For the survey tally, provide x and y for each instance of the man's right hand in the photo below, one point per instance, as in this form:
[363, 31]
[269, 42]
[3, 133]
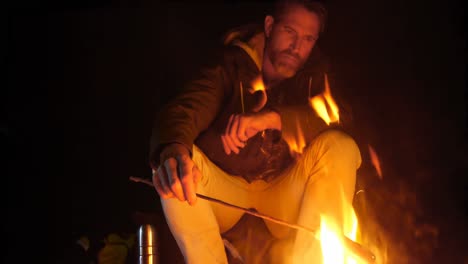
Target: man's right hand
[177, 175]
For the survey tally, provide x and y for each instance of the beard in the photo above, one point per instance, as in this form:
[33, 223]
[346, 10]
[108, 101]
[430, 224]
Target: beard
[286, 62]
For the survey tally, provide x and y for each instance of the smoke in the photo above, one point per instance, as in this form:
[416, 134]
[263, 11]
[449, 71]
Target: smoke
[391, 219]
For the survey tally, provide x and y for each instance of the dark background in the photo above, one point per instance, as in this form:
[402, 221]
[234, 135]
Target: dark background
[84, 81]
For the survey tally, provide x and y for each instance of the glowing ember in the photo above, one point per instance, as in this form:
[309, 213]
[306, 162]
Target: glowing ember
[375, 161]
[325, 106]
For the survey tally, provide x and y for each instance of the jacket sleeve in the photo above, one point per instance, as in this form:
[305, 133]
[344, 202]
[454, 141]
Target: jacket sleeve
[189, 113]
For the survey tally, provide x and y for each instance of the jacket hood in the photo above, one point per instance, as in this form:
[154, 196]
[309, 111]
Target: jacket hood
[250, 38]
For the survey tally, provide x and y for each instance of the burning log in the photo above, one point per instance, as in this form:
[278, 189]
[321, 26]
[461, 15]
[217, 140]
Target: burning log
[355, 249]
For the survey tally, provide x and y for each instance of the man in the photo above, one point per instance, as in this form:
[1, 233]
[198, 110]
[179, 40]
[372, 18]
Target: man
[221, 139]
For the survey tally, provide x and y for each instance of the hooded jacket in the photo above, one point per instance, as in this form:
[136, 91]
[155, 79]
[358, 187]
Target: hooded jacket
[200, 113]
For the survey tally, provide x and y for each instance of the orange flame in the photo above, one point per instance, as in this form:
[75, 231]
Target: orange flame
[297, 142]
[331, 242]
[257, 84]
[331, 236]
[375, 161]
[325, 106]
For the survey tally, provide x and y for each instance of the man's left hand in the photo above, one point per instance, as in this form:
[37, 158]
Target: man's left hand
[241, 127]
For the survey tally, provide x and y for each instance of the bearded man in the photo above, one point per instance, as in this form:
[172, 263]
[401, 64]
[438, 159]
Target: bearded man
[221, 138]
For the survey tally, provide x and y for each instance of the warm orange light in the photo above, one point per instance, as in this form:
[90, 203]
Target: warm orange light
[335, 116]
[331, 236]
[330, 241]
[257, 84]
[325, 106]
[375, 161]
[297, 142]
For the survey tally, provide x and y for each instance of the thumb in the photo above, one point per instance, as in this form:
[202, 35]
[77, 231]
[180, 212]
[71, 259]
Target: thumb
[196, 174]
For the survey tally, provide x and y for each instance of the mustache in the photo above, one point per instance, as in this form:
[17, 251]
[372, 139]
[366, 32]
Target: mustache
[292, 54]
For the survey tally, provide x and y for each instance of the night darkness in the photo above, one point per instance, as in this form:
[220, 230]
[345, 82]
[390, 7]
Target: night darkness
[84, 81]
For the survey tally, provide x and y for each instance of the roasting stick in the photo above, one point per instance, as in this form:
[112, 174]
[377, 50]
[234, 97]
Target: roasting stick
[354, 248]
[248, 211]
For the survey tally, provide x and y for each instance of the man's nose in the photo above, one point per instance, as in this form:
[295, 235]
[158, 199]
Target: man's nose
[296, 44]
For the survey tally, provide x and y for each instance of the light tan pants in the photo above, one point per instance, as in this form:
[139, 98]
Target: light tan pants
[314, 185]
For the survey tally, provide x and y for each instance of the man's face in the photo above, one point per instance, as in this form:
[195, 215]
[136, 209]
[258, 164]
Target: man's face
[291, 39]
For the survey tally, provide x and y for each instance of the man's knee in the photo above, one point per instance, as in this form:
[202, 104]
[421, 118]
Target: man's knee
[334, 137]
[335, 141]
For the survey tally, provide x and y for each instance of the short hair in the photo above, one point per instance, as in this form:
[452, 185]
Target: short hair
[281, 6]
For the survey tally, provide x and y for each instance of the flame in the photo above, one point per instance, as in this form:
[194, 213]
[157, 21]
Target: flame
[332, 239]
[331, 242]
[375, 161]
[297, 142]
[325, 106]
[257, 84]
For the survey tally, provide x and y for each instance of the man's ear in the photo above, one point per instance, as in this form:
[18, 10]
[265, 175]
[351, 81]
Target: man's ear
[269, 20]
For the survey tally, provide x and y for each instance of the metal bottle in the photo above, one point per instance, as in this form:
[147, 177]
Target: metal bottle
[147, 245]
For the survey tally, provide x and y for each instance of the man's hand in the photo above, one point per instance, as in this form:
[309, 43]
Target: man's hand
[241, 127]
[177, 176]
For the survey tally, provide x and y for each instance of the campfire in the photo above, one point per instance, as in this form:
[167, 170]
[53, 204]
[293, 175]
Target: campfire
[339, 244]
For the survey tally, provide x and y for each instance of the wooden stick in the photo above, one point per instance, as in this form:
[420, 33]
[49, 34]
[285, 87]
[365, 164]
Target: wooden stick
[363, 254]
[248, 211]
[241, 87]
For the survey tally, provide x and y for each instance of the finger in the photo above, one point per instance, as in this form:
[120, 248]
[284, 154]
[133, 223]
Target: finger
[227, 150]
[174, 182]
[186, 178]
[233, 132]
[228, 127]
[241, 130]
[162, 177]
[157, 184]
[231, 145]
